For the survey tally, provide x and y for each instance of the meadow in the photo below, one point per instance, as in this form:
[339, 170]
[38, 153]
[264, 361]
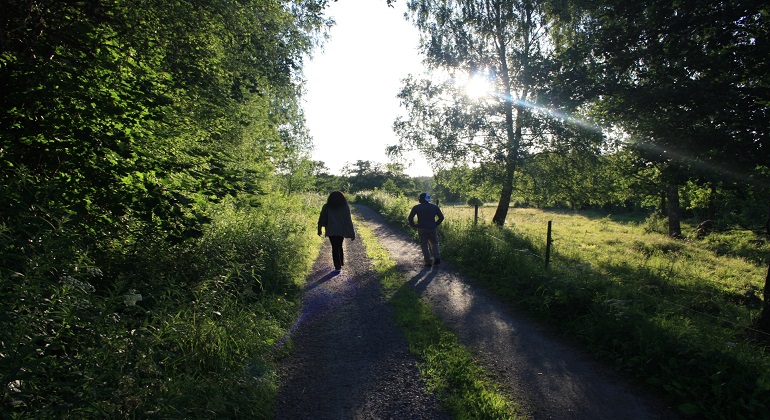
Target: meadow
[675, 315]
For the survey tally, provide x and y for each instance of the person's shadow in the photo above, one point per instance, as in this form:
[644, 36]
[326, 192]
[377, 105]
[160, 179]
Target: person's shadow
[421, 280]
[322, 280]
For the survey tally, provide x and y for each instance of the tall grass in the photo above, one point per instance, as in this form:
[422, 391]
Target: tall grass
[675, 314]
[160, 330]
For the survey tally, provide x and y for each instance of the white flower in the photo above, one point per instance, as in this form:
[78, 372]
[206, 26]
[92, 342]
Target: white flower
[131, 299]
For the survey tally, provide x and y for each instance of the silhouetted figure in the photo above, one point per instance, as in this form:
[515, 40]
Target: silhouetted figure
[335, 218]
[429, 216]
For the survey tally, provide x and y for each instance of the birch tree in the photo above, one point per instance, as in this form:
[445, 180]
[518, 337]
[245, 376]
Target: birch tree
[501, 44]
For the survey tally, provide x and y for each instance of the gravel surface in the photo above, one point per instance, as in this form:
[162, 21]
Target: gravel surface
[350, 361]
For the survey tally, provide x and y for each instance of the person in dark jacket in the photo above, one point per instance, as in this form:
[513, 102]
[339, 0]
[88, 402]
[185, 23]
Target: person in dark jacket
[429, 216]
[338, 225]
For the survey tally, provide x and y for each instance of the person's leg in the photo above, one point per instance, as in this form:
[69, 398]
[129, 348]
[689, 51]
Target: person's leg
[336, 242]
[434, 249]
[423, 235]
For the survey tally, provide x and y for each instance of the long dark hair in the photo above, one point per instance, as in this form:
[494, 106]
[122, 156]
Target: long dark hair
[336, 199]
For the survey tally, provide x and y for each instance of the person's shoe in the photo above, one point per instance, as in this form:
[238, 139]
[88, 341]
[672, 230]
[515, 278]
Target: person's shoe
[437, 261]
[427, 264]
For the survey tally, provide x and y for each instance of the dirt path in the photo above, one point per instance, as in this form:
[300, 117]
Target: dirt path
[351, 362]
[349, 359]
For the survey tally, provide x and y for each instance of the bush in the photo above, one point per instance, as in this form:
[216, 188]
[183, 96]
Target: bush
[656, 223]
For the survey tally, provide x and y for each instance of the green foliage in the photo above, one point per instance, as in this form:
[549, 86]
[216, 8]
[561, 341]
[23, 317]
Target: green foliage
[189, 328]
[474, 202]
[367, 175]
[133, 282]
[655, 223]
[683, 80]
[395, 208]
[459, 182]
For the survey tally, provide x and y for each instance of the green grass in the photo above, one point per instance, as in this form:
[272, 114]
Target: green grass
[450, 370]
[676, 314]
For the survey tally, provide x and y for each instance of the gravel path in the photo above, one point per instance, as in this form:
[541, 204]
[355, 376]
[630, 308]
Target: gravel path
[350, 362]
[349, 359]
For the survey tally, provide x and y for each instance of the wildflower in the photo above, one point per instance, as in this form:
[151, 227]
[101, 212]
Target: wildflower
[131, 299]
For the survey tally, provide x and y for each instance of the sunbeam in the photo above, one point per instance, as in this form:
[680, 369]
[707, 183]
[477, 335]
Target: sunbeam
[668, 152]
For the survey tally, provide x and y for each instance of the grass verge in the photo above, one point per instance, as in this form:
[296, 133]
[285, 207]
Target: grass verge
[449, 369]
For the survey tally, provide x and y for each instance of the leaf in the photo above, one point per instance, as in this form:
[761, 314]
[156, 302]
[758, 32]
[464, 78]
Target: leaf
[688, 409]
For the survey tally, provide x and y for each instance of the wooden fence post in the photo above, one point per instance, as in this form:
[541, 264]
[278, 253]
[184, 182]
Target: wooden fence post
[548, 245]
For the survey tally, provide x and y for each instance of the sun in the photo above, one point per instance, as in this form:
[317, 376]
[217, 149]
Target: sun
[478, 86]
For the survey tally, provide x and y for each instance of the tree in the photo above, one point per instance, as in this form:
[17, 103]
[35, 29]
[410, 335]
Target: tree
[502, 41]
[688, 81]
[121, 115]
[460, 183]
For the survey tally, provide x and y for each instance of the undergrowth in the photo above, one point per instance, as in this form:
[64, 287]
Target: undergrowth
[153, 329]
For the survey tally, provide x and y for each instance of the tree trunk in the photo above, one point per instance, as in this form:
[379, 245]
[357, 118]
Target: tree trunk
[502, 206]
[513, 125]
[514, 134]
[674, 226]
[512, 148]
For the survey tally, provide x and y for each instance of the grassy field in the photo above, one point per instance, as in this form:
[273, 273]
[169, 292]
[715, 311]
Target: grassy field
[721, 269]
[675, 314]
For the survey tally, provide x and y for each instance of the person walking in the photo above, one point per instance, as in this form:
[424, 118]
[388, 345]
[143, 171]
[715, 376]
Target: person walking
[429, 216]
[338, 225]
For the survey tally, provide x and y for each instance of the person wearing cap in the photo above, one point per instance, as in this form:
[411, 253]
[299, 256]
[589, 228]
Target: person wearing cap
[429, 216]
[336, 220]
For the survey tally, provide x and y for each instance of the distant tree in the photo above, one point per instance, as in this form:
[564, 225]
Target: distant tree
[364, 175]
[460, 183]
[325, 182]
[423, 183]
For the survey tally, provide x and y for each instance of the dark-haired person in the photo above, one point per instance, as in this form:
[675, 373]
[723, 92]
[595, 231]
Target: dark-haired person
[338, 225]
[429, 216]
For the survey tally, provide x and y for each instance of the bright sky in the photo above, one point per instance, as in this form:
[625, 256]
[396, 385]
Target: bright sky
[351, 103]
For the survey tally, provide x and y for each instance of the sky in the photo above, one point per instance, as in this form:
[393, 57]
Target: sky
[352, 82]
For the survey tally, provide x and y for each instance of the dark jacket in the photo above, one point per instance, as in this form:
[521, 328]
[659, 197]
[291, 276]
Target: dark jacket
[429, 216]
[336, 221]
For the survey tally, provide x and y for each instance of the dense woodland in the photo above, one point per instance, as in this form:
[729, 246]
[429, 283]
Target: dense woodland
[157, 194]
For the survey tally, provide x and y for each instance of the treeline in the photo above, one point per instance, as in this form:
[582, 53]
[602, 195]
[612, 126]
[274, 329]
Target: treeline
[363, 175]
[615, 183]
[148, 256]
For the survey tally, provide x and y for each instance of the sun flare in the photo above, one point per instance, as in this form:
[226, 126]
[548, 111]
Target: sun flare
[478, 86]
